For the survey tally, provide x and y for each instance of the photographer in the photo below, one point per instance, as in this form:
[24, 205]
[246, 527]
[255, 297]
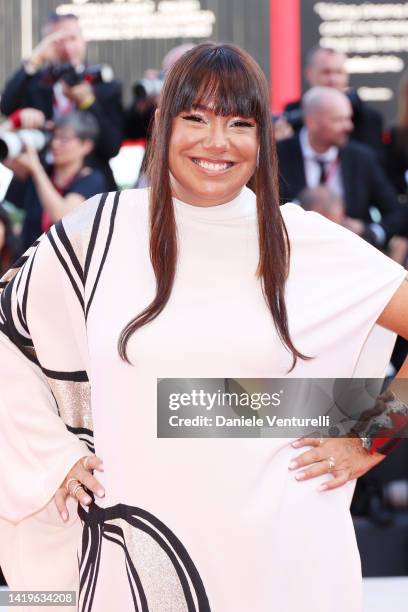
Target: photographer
[36, 85]
[53, 190]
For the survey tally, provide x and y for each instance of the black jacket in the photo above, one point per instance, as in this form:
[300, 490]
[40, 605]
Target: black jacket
[23, 90]
[368, 122]
[364, 181]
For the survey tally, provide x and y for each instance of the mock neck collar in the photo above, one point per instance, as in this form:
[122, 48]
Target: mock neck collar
[243, 205]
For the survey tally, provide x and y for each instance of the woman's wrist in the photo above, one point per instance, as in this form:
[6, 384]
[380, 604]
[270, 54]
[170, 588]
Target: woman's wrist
[382, 428]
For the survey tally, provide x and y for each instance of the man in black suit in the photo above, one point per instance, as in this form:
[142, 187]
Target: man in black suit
[322, 154]
[32, 86]
[327, 67]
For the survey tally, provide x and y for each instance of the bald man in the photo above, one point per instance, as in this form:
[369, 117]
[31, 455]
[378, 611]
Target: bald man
[322, 154]
[327, 67]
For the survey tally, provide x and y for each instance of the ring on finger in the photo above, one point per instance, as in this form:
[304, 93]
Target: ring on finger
[68, 483]
[76, 488]
[331, 463]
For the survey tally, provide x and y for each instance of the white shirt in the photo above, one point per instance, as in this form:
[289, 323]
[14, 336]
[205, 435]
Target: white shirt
[334, 180]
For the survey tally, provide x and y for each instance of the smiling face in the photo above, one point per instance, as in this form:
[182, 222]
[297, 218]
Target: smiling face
[211, 157]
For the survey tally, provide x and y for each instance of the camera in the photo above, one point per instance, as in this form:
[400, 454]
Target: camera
[148, 88]
[14, 143]
[71, 75]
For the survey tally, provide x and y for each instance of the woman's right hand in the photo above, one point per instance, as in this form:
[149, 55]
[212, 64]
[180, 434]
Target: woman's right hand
[80, 473]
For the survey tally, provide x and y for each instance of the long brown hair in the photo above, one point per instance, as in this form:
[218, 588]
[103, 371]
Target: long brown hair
[230, 79]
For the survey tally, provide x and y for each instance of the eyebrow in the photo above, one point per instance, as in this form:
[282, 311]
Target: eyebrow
[202, 107]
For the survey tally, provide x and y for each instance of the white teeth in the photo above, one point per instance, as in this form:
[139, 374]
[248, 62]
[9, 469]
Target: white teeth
[212, 166]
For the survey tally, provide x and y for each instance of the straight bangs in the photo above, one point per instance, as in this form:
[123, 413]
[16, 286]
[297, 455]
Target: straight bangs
[219, 79]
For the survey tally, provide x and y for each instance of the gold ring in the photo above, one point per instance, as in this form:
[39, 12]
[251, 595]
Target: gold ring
[332, 462]
[68, 482]
[76, 488]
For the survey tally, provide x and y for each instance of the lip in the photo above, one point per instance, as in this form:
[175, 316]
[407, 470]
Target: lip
[213, 161]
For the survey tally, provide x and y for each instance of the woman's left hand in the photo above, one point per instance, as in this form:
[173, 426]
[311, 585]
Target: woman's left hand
[344, 458]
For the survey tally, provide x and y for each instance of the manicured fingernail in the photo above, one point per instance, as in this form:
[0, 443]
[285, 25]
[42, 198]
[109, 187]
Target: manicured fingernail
[100, 492]
[293, 465]
[87, 499]
[300, 476]
[322, 487]
[295, 443]
[64, 516]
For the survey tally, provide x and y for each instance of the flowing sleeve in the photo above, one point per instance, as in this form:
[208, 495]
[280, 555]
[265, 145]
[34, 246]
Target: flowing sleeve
[37, 351]
[45, 408]
[338, 286]
[45, 412]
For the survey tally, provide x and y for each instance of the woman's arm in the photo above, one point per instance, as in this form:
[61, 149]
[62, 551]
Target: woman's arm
[351, 460]
[53, 203]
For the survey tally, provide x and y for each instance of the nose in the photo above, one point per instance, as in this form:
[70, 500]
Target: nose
[216, 137]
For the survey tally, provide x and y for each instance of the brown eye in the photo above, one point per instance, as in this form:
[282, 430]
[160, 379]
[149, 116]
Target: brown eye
[195, 118]
[243, 124]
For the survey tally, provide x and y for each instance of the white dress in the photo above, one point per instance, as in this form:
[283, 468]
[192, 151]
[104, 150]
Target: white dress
[186, 524]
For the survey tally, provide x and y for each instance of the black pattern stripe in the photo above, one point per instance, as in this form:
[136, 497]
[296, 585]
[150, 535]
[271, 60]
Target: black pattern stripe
[21, 319]
[59, 228]
[9, 327]
[66, 268]
[25, 293]
[130, 568]
[89, 570]
[79, 376]
[85, 435]
[94, 234]
[105, 253]
[142, 520]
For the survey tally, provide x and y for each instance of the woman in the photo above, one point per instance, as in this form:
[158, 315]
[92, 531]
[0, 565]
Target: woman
[53, 190]
[186, 280]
